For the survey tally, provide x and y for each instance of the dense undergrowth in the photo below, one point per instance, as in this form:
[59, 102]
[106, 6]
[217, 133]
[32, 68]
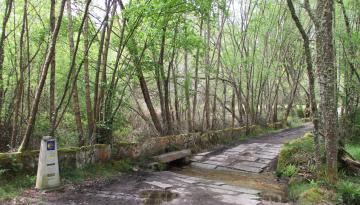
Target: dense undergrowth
[307, 182]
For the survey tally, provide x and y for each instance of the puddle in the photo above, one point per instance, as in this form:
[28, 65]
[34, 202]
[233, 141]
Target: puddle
[272, 189]
[156, 197]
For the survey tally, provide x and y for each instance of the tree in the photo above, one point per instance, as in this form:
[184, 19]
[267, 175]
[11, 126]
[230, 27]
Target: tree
[74, 93]
[44, 70]
[327, 77]
[311, 78]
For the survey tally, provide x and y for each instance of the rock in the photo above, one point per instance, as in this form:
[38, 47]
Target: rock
[242, 167]
[159, 184]
[172, 156]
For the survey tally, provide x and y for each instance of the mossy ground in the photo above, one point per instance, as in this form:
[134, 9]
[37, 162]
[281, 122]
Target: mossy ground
[354, 150]
[308, 184]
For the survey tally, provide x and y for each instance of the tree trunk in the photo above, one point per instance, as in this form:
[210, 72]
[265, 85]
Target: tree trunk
[7, 13]
[311, 79]
[207, 78]
[327, 76]
[52, 74]
[197, 57]
[103, 84]
[20, 84]
[187, 92]
[176, 97]
[218, 65]
[132, 47]
[98, 69]
[74, 94]
[44, 70]
[89, 111]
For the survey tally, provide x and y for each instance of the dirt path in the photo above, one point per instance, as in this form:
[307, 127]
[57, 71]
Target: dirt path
[235, 175]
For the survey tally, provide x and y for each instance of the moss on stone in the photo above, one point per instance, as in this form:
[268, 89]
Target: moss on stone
[124, 144]
[4, 156]
[68, 150]
[32, 153]
[8, 157]
[101, 146]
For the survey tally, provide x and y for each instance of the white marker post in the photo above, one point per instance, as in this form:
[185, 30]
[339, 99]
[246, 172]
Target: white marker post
[48, 168]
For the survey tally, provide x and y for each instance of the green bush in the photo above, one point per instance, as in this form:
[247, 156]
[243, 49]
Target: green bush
[2, 172]
[313, 195]
[296, 189]
[298, 152]
[354, 150]
[14, 186]
[348, 193]
[300, 113]
[290, 171]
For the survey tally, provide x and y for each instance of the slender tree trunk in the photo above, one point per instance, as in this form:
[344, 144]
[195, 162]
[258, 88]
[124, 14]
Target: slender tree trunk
[103, 84]
[225, 100]
[311, 79]
[218, 65]
[167, 85]
[161, 95]
[197, 60]
[98, 69]
[52, 72]
[207, 78]
[44, 70]
[176, 98]
[89, 111]
[292, 97]
[233, 109]
[20, 84]
[3, 37]
[132, 47]
[165, 82]
[74, 94]
[187, 92]
[348, 117]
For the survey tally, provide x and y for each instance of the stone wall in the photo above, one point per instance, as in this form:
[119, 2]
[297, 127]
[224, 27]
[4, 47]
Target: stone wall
[69, 158]
[75, 157]
[194, 141]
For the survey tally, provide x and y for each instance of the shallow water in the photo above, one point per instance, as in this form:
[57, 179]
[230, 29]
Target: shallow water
[272, 188]
[157, 197]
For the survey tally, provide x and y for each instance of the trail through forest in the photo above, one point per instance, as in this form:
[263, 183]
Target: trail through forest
[249, 179]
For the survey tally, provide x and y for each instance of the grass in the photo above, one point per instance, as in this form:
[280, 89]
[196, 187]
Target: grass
[348, 192]
[354, 150]
[13, 186]
[296, 189]
[300, 153]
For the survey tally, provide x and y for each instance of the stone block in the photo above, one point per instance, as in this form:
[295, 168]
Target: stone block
[172, 156]
[203, 166]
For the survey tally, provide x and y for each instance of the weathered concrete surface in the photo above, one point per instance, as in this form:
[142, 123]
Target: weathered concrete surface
[254, 156]
[172, 156]
[166, 188]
